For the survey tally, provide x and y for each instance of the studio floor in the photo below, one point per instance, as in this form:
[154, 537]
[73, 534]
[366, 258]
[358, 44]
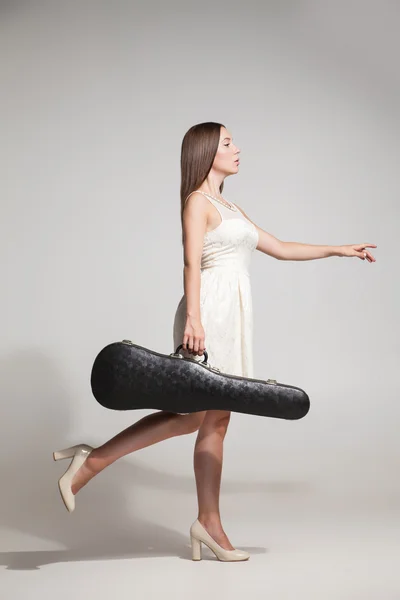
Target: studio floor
[330, 553]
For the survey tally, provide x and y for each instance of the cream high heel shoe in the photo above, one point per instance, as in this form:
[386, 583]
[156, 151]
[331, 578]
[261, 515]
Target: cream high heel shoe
[199, 535]
[79, 454]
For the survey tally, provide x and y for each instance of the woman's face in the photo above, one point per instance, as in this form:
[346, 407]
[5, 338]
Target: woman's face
[226, 159]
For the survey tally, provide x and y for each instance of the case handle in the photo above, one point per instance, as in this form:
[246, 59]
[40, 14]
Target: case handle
[205, 354]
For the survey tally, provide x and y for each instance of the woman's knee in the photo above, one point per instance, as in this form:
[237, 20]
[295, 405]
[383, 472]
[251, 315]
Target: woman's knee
[205, 420]
[194, 421]
[216, 420]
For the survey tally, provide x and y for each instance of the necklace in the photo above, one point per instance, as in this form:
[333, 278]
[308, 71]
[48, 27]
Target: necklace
[224, 203]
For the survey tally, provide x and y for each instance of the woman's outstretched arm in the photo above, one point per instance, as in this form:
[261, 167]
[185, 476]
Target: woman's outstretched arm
[281, 250]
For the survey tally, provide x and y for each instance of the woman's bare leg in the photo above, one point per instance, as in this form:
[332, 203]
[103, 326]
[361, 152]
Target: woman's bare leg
[208, 458]
[149, 430]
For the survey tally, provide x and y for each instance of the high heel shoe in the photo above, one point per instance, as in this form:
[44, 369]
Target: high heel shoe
[199, 535]
[79, 454]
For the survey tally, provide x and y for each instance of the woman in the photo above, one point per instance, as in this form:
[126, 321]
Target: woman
[218, 241]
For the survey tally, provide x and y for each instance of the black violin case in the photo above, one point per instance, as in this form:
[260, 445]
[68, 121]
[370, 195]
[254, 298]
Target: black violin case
[126, 376]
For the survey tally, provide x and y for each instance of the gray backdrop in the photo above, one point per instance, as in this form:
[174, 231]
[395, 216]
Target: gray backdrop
[96, 97]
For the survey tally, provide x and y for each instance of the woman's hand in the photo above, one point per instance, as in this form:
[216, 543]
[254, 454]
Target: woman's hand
[358, 250]
[194, 337]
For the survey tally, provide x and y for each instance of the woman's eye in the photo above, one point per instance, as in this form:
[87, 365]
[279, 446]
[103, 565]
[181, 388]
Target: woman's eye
[226, 144]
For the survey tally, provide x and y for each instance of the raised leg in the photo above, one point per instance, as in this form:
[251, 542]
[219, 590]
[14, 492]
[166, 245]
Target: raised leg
[149, 430]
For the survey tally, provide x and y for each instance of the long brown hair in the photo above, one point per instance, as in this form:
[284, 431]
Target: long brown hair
[199, 147]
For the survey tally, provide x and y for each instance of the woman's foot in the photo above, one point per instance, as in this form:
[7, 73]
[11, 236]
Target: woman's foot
[79, 455]
[84, 474]
[214, 528]
[199, 535]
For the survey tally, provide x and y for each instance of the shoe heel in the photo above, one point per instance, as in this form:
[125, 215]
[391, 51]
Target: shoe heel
[196, 548]
[66, 453]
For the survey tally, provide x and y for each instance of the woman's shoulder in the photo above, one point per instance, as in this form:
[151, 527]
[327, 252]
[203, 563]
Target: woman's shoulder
[197, 201]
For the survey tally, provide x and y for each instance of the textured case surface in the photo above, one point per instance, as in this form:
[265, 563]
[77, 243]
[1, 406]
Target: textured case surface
[126, 376]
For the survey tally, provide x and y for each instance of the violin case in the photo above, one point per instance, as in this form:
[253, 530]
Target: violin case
[126, 376]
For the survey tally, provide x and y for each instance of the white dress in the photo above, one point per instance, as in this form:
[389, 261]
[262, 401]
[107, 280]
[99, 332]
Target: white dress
[225, 294]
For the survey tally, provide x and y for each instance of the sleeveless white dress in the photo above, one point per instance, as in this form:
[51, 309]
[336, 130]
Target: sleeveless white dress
[225, 294]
